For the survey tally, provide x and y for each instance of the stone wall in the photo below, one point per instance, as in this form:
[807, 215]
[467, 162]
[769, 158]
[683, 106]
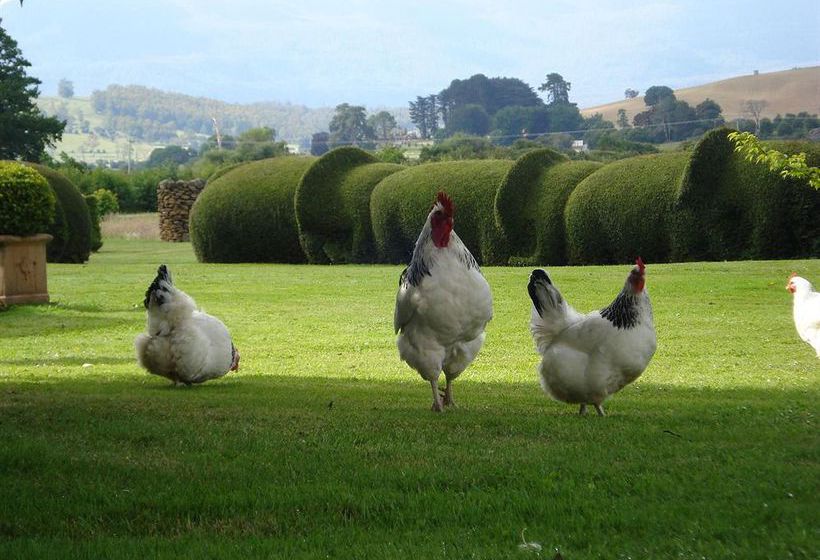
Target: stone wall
[174, 202]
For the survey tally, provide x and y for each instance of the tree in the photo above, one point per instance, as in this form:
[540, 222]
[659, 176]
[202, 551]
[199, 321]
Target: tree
[174, 155]
[349, 126]
[709, 110]
[469, 119]
[24, 130]
[65, 88]
[511, 123]
[383, 124]
[656, 94]
[319, 143]
[623, 121]
[564, 117]
[753, 108]
[259, 143]
[630, 93]
[557, 89]
[424, 114]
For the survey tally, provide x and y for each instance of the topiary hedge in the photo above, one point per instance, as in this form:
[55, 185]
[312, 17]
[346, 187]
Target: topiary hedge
[27, 203]
[623, 210]
[72, 222]
[333, 206]
[529, 206]
[400, 203]
[92, 202]
[247, 215]
[730, 208]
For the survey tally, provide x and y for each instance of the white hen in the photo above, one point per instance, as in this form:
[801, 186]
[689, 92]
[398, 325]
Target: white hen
[806, 310]
[587, 358]
[182, 343]
[443, 304]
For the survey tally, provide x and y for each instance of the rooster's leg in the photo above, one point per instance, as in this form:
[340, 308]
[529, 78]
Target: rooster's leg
[436, 398]
[600, 410]
[583, 410]
[448, 394]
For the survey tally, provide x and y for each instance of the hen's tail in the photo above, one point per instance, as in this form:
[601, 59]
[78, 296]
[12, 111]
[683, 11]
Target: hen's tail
[550, 314]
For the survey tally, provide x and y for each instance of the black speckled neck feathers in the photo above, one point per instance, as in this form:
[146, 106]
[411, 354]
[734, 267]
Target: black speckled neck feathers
[623, 313]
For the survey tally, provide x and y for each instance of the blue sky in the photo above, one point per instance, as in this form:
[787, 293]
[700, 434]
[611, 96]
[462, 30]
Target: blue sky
[382, 54]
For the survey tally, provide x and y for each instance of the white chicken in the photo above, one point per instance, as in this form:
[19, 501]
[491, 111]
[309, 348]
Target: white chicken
[443, 304]
[806, 310]
[587, 358]
[182, 343]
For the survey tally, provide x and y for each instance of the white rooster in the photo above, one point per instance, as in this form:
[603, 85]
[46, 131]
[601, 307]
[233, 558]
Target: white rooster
[587, 358]
[182, 343]
[806, 310]
[443, 304]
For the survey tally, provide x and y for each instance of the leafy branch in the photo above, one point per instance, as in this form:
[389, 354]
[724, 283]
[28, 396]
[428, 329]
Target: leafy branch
[788, 166]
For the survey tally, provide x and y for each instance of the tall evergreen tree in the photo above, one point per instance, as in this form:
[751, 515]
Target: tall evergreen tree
[24, 130]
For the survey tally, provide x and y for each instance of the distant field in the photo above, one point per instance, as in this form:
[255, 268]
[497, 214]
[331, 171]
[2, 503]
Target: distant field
[323, 445]
[130, 226]
[789, 91]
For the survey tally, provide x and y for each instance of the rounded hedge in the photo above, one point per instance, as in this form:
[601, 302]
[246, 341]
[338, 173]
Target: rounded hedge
[72, 223]
[247, 215]
[400, 204]
[623, 210]
[92, 202]
[730, 208]
[530, 205]
[27, 204]
[332, 206]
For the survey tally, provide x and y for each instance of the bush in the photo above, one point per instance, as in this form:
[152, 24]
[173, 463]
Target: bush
[27, 204]
[106, 202]
[623, 210]
[333, 206]
[94, 214]
[247, 214]
[72, 224]
[730, 208]
[400, 204]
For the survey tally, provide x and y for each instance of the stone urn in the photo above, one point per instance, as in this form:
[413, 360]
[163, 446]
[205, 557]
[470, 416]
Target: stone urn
[23, 269]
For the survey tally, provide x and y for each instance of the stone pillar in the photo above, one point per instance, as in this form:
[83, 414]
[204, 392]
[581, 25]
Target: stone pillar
[174, 202]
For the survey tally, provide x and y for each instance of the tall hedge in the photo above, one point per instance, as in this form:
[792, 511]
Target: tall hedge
[333, 206]
[246, 215]
[530, 205]
[623, 210]
[94, 214]
[730, 208]
[72, 222]
[400, 203]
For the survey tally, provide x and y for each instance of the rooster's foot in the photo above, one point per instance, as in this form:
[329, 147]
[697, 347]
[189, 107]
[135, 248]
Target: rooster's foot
[600, 410]
[583, 410]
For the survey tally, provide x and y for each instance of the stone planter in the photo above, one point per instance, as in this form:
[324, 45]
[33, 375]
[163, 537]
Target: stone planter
[23, 269]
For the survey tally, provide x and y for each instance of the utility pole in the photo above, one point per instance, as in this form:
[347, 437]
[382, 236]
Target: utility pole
[218, 135]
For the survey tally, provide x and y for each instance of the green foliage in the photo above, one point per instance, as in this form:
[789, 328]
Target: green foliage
[557, 88]
[788, 166]
[623, 210]
[468, 119]
[320, 143]
[382, 124]
[27, 204]
[106, 202]
[349, 126]
[72, 224]
[529, 206]
[332, 205]
[514, 122]
[24, 131]
[94, 215]
[731, 208]
[459, 147]
[400, 204]
[247, 214]
[392, 154]
[656, 94]
[492, 94]
[176, 155]
[65, 88]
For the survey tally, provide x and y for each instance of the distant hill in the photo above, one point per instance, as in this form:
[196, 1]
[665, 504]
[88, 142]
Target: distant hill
[789, 91]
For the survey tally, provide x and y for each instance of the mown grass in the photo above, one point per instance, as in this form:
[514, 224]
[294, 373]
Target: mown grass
[323, 444]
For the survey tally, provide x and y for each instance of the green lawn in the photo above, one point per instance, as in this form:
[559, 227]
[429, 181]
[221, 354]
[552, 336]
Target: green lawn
[323, 444]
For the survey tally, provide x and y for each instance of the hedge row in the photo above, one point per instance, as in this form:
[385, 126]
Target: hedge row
[333, 206]
[400, 204]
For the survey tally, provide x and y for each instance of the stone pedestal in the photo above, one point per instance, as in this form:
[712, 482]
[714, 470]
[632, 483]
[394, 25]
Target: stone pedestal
[23, 269]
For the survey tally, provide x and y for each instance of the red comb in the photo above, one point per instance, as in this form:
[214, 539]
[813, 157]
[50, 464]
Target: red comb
[793, 275]
[639, 262]
[446, 202]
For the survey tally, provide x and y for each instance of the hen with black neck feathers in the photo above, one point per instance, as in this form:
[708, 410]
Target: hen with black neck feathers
[587, 358]
[443, 304]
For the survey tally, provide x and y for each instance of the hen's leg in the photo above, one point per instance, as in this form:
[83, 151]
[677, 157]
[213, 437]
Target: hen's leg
[583, 410]
[436, 398]
[600, 410]
[448, 394]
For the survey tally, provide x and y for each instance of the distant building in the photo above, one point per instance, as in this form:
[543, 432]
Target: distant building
[293, 148]
[579, 146]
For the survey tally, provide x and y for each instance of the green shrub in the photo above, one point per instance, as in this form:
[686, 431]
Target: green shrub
[530, 205]
[247, 214]
[94, 214]
[27, 204]
[106, 202]
[623, 210]
[400, 204]
[72, 223]
[333, 206]
[730, 208]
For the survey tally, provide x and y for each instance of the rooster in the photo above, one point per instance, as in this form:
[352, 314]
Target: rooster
[182, 343]
[443, 304]
[587, 358]
[806, 310]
